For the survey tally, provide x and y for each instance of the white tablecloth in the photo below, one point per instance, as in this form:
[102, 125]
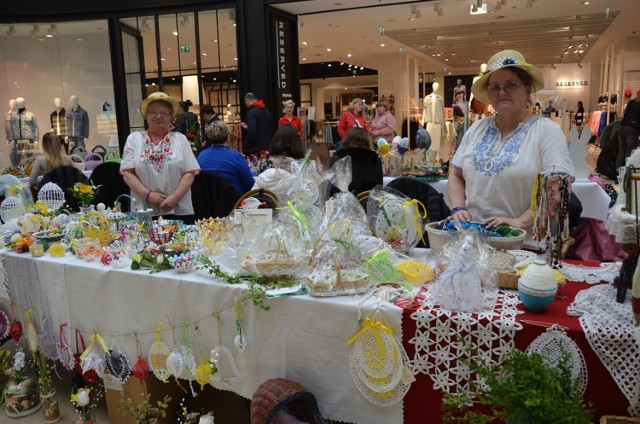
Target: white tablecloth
[595, 201]
[301, 338]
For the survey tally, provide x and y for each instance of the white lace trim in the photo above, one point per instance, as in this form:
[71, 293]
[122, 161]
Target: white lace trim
[590, 275]
[610, 329]
[4, 287]
[438, 352]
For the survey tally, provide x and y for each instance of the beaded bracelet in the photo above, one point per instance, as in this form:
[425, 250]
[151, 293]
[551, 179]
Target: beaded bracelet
[458, 209]
[146, 198]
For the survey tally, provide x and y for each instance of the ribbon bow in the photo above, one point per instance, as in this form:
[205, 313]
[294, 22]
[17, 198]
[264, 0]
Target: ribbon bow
[377, 327]
[417, 212]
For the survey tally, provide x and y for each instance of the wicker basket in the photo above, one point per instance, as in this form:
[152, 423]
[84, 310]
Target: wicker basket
[507, 280]
[278, 393]
[612, 419]
[343, 284]
[437, 238]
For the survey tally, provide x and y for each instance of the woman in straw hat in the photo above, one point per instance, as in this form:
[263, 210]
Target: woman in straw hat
[158, 164]
[493, 170]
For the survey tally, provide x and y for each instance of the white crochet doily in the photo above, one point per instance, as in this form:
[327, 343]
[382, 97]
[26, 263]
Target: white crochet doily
[610, 329]
[552, 345]
[438, 352]
[590, 275]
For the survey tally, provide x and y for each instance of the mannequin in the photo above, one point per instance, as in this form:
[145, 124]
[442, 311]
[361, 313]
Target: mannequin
[459, 98]
[479, 107]
[77, 123]
[24, 131]
[433, 118]
[7, 119]
[59, 122]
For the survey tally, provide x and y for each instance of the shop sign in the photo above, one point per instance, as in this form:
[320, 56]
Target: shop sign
[578, 83]
[285, 46]
[185, 48]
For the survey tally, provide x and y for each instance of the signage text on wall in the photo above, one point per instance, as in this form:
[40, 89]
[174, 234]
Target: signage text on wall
[577, 83]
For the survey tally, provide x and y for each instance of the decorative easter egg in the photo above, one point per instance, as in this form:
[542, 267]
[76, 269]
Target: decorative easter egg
[537, 287]
[100, 207]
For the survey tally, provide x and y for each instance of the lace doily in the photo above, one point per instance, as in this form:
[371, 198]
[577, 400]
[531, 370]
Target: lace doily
[553, 345]
[223, 359]
[610, 329]
[118, 364]
[158, 354]
[175, 363]
[437, 350]
[65, 354]
[379, 364]
[48, 341]
[4, 283]
[591, 275]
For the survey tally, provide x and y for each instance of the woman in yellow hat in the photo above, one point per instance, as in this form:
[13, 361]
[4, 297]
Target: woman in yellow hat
[158, 164]
[493, 170]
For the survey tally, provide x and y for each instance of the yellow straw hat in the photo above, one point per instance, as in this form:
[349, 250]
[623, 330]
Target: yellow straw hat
[506, 59]
[159, 96]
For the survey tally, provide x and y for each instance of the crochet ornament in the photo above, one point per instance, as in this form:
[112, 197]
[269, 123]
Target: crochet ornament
[175, 360]
[51, 195]
[4, 326]
[140, 369]
[15, 330]
[118, 364]
[158, 355]
[93, 358]
[65, 354]
[32, 335]
[11, 208]
[48, 341]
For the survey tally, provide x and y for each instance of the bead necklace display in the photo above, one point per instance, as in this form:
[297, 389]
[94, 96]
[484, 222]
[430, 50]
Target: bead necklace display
[550, 206]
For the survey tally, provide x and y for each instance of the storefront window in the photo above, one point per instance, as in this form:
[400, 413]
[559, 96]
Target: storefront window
[42, 62]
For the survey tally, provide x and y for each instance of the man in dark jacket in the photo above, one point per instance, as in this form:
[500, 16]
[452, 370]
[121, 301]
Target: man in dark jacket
[259, 126]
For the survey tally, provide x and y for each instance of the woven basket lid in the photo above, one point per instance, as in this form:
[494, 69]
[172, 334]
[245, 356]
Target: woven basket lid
[277, 393]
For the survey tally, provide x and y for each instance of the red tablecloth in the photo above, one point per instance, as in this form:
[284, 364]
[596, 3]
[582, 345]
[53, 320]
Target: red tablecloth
[422, 402]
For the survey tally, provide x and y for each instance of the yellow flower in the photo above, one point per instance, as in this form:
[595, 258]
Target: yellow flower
[85, 188]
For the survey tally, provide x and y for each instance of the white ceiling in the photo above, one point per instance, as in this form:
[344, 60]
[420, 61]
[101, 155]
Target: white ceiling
[542, 32]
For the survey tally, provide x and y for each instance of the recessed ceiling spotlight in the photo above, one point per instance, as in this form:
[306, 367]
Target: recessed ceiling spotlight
[328, 49]
[348, 54]
[381, 44]
[304, 43]
[175, 33]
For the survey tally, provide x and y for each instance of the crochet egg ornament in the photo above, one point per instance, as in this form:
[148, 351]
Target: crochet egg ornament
[537, 287]
[394, 224]
[383, 146]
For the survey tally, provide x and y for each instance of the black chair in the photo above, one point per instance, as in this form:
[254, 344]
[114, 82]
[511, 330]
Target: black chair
[212, 196]
[433, 201]
[65, 177]
[107, 175]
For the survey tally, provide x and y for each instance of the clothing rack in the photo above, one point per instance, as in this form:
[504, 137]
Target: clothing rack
[607, 105]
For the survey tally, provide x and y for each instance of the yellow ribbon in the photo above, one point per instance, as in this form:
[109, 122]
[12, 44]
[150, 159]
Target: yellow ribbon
[376, 327]
[158, 331]
[417, 215]
[95, 340]
[298, 215]
[32, 335]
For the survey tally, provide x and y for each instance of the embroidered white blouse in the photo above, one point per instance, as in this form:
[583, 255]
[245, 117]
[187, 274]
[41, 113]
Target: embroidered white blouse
[161, 167]
[499, 175]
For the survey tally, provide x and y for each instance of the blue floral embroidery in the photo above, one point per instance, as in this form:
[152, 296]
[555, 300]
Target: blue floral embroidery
[483, 153]
[509, 61]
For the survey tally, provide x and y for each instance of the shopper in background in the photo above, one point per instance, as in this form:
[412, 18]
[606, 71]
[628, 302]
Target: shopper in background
[365, 163]
[384, 124]
[259, 126]
[185, 120]
[629, 130]
[208, 116]
[53, 157]
[493, 170]
[158, 165]
[285, 148]
[289, 118]
[580, 115]
[224, 162]
[351, 117]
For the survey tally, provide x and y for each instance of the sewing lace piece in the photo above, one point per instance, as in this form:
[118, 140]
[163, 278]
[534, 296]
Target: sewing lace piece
[553, 345]
[437, 350]
[591, 275]
[610, 329]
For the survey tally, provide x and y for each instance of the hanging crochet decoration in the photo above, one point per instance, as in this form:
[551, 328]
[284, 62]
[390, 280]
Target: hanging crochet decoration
[555, 346]
[118, 364]
[65, 354]
[158, 354]
[550, 208]
[221, 360]
[140, 369]
[4, 326]
[32, 334]
[11, 208]
[15, 330]
[379, 364]
[93, 358]
[48, 341]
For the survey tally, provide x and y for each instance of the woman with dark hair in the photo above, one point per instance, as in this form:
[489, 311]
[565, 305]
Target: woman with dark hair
[285, 147]
[224, 162]
[366, 167]
[185, 119]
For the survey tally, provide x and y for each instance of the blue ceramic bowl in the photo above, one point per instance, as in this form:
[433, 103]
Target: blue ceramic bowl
[534, 299]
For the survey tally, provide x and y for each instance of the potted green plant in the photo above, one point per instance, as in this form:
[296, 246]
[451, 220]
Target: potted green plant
[144, 412]
[50, 405]
[522, 389]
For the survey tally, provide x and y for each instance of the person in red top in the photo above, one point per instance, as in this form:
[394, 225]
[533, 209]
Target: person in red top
[352, 117]
[289, 118]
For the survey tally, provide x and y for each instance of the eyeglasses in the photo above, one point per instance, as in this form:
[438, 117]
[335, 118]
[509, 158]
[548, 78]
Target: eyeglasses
[153, 114]
[509, 87]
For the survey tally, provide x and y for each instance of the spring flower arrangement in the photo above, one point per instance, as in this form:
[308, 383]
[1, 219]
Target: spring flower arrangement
[21, 391]
[84, 401]
[20, 243]
[193, 135]
[144, 412]
[84, 193]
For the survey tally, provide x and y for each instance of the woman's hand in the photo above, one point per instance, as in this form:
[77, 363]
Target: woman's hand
[169, 202]
[460, 215]
[496, 221]
[156, 198]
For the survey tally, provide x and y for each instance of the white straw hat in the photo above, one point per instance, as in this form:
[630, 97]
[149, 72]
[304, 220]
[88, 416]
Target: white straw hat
[159, 96]
[506, 59]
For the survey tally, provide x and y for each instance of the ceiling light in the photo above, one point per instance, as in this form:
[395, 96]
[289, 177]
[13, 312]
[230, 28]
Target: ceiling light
[328, 49]
[329, 65]
[49, 35]
[381, 44]
[304, 58]
[175, 32]
[304, 43]
[341, 63]
[361, 68]
[348, 54]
